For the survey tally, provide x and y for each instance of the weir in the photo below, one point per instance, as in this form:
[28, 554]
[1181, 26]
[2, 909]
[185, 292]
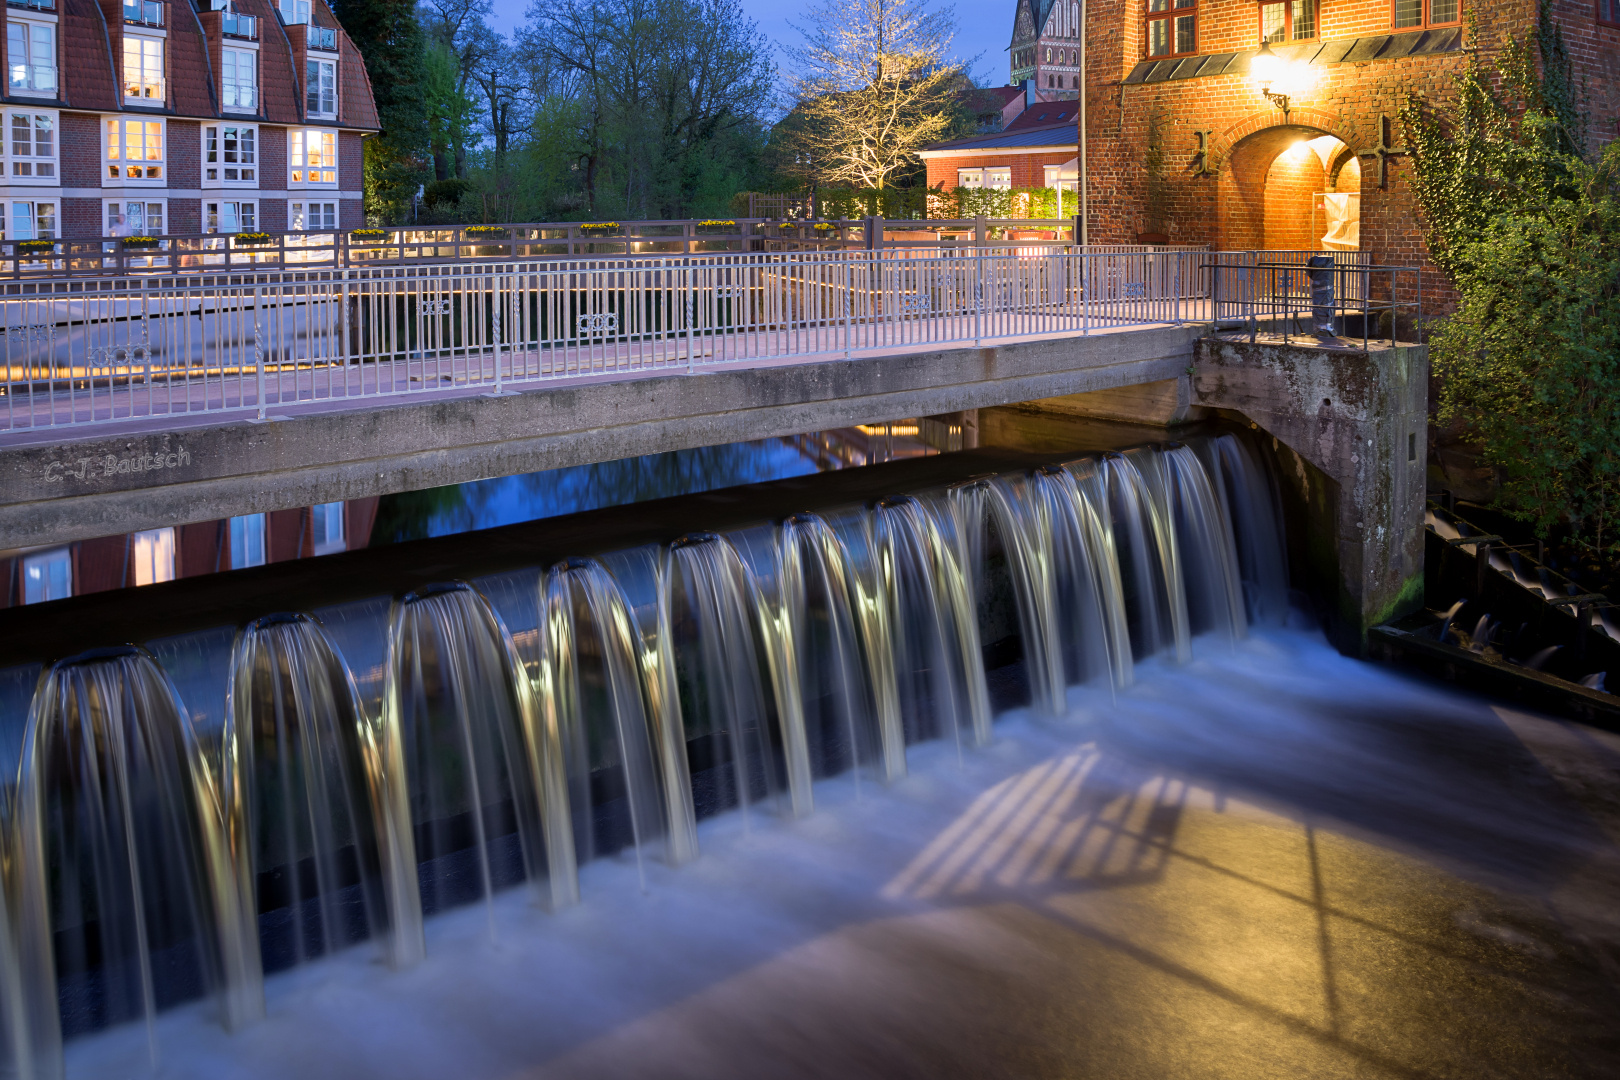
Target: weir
[370, 764]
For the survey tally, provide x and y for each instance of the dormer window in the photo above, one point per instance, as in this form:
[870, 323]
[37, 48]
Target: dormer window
[295, 11]
[238, 79]
[31, 56]
[321, 89]
[143, 69]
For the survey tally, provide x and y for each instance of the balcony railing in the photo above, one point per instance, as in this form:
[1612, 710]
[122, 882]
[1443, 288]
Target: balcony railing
[323, 37]
[144, 12]
[37, 5]
[241, 26]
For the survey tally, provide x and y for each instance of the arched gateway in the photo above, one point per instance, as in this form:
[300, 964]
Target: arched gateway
[1289, 186]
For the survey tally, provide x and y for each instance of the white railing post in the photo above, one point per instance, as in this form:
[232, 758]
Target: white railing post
[258, 348]
[849, 302]
[498, 299]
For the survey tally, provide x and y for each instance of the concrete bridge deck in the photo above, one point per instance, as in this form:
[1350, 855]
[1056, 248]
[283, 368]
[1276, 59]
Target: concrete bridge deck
[63, 484]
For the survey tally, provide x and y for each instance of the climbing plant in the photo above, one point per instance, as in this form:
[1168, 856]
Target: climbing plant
[1528, 230]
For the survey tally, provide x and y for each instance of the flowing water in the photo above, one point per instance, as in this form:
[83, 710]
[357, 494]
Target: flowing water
[378, 764]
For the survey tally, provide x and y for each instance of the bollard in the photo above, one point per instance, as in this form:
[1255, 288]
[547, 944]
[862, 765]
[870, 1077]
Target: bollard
[1320, 271]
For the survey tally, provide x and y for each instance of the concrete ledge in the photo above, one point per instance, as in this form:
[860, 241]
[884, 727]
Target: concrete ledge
[100, 484]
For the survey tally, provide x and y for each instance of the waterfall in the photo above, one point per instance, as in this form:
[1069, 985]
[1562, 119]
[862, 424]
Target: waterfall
[315, 804]
[487, 790]
[658, 685]
[730, 671]
[125, 877]
[933, 628]
[612, 736]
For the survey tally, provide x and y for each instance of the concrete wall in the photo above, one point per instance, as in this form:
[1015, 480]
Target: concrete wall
[56, 489]
[1349, 431]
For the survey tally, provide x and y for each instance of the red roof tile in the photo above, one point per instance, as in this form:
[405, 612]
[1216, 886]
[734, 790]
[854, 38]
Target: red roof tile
[89, 80]
[279, 87]
[191, 77]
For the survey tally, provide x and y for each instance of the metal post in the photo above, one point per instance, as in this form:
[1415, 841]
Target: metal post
[978, 294]
[497, 299]
[849, 302]
[258, 349]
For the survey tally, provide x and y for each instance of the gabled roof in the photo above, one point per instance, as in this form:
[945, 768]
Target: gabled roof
[1046, 113]
[1013, 138]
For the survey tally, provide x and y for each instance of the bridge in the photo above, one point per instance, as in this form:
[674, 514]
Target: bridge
[135, 401]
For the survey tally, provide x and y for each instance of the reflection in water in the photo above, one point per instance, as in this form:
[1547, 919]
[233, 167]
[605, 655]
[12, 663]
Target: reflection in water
[507, 500]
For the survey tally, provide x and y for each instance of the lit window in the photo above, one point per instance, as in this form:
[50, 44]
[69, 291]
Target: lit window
[153, 556]
[320, 88]
[134, 217]
[295, 11]
[1293, 20]
[47, 576]
[31, 56]
[328, 528]
[1172, 27]
[1416, 13]
[229, 217]
[247, 541]
[313, 158]
[32, 139]
[238, 79]
[135, 149]
[230, 154]
[32, 221]
[143, 68]
[311, 217]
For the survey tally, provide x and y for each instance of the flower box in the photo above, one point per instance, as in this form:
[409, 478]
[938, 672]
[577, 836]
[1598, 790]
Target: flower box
[369, 236]
[36, 247]
[600, 227]
[140, 243]
[253, 239]
[486, 232]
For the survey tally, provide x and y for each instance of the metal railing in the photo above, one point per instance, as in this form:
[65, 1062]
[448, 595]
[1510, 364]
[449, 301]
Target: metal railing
[321, 37]
[98, 257]
[1313, 295]
[243, 26]
[144, 12]
[115, 349]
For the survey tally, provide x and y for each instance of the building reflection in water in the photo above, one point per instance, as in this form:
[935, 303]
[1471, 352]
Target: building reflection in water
[35, 575]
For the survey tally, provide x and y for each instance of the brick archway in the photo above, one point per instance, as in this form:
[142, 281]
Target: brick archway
[1245, 153]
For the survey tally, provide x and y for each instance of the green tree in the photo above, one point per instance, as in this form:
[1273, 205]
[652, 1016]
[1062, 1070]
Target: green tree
[1529, 232]
[390, 41]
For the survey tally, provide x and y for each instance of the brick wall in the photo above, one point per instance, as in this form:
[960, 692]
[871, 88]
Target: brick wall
[273, 215]
[184, 153]
[1028, 170]
[185, 217]
[80, 150]
[351, 214]
[272, 159]
[81, 218]
[1294, 177]
[351, 161]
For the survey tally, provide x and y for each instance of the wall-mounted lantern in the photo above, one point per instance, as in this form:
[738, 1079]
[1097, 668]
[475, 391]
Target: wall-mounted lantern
[1268, 70]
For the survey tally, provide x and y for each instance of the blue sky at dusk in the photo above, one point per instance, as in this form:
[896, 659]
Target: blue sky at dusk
[983, 28]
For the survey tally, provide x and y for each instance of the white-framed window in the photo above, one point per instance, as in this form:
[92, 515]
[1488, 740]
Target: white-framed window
[233, 216]
[230, 154]
[143, 68]
[295, 11]
[134, 149]
[239, 79]
[31, 56]
[328, 528]
[31, 145]
[311, 216]
[47, 576]
[136, 217]
[997, 178]
[320, 88]
[31, 219]
[312, 158]
[152, 552]
[247, 541]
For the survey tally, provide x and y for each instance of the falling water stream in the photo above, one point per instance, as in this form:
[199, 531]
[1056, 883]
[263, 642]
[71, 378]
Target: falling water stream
[652, 687]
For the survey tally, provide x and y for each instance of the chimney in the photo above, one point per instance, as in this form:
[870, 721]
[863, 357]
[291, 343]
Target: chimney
[1029, 92]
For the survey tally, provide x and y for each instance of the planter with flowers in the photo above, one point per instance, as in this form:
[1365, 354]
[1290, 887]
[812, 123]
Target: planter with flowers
[254, 239]
[140, 243]
[35, 248]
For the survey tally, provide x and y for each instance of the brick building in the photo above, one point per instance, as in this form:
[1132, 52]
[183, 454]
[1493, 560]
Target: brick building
[1033, 151]
[1241, 171]
[155, 117]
